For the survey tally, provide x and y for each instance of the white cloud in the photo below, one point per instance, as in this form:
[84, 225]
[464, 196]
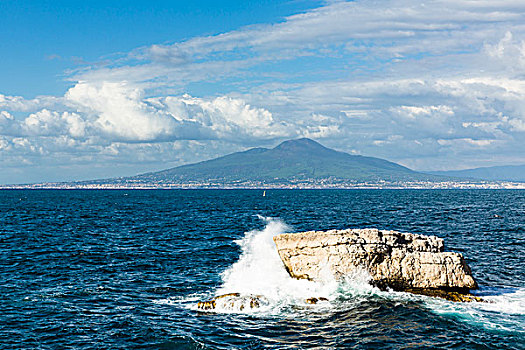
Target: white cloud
[20, 104]
[52, 123]
[415, 112]
[225, 117]
[386, 30]
[119, 112]
[508, 52]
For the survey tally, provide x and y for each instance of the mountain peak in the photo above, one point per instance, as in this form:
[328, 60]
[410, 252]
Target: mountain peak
[300, 144]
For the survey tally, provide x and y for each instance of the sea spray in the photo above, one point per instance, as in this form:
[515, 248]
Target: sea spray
[260, 271]
[503, 310]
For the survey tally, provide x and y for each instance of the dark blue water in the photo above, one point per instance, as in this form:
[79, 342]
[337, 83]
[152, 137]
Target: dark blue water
[123, 269]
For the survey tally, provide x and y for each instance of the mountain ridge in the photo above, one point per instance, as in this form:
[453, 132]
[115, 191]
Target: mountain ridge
[491, 173]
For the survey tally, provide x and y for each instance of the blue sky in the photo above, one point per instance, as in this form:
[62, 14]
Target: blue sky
[94, 89]
[42, 40]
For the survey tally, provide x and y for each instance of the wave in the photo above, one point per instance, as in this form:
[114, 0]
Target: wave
[503, 311]
[260, 271]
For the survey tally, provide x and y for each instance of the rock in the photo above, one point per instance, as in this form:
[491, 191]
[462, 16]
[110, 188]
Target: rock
[211, 304]
[395, 260]
[315, 300]
[206, 305]
[233, 302]
[449, 295]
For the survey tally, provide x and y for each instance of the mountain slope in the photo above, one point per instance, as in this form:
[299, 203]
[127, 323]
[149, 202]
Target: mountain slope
[301, 159]
[495, 173]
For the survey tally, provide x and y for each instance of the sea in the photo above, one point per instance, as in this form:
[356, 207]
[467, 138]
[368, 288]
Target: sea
[125, 269]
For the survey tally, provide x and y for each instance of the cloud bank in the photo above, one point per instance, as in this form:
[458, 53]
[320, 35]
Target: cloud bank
[438, 85]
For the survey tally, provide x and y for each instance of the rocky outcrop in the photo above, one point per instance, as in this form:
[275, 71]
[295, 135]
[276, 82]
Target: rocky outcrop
[233, 302]
[396, 260]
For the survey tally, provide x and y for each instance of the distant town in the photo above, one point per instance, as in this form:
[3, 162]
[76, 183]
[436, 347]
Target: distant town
[298, 184]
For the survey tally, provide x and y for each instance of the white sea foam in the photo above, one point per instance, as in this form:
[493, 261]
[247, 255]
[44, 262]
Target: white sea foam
[260, 271]
[179, 300]
[504, 310]
[506, 300]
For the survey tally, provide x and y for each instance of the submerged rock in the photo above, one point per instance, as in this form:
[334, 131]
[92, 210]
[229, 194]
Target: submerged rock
[315, 300]
[446, 294]
[233, 302]
[399, 261]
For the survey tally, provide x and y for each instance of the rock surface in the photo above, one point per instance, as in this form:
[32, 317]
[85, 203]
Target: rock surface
[233, 302]
[315, 300]
[396, 260]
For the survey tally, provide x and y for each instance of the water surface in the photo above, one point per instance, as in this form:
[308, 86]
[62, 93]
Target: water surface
[124, 269]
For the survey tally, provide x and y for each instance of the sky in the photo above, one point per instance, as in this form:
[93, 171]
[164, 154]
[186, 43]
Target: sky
[95, 89]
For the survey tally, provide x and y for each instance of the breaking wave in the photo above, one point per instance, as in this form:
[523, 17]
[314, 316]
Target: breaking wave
[259, 271]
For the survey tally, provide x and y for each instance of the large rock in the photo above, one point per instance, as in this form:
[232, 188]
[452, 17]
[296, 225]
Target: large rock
[396, 260]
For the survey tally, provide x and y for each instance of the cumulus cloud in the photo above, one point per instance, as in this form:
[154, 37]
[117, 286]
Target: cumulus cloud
[119, 112]
[5, 118]
[122, 112]
[52, 123]
[508, 53]
[20, 104]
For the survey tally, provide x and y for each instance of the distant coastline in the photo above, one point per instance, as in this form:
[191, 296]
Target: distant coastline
[299, 185]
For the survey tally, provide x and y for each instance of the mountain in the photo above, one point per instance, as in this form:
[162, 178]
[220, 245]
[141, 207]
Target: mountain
[495, 173]
[301, 163]
[291, 161]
